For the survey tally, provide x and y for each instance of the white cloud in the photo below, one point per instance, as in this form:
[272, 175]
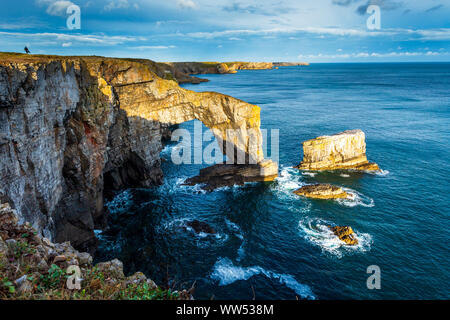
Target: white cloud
[373, 54]
[80, 38]
[406, 34]
[116, 4]
[55, 7]
[67, 44]
[153, 47]
[186, 4]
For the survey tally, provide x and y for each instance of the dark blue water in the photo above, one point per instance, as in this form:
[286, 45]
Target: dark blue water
[276, 244]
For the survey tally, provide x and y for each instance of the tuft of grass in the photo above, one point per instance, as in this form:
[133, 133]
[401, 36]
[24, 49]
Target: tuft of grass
[144, 292]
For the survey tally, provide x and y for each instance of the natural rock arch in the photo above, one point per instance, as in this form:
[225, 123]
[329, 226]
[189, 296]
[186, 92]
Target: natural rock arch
[71, 127]
[142, 94]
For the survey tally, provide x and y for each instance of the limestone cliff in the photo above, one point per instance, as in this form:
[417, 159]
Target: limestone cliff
[182, 71]
[346, 150]
[72, 128]
[218, 67]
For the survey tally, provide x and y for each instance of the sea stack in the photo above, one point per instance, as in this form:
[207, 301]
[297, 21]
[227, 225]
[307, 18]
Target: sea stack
[345, 150]
[322, 191]
[345, 234]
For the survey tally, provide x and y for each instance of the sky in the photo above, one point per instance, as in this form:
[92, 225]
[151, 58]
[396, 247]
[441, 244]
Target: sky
[230, 30]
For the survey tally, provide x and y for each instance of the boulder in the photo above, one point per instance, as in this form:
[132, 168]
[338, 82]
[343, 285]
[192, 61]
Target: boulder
[137, 278]
[113, 269]
[322, 191]
[345, 234]
[200, 226]
[345, 150]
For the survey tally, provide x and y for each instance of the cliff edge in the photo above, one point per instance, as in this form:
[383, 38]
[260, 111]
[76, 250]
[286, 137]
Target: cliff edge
[72, 128]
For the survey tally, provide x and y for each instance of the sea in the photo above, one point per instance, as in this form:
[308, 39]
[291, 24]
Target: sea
[270, 243]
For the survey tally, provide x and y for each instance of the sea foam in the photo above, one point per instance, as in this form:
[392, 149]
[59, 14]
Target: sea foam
[356, 199]
[317, 232]
[225, 272]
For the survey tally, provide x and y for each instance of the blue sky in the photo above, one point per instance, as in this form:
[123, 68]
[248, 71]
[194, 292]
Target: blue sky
[227, 30]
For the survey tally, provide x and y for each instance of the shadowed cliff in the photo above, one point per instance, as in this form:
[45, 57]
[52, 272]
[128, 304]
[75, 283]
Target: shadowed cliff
[71, 127]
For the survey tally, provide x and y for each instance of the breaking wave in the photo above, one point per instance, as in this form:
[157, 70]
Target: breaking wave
[317, 232]
[225, 272]
[381, 173]
[236, 230]
[288, 181]
[309, 174]
[201, 239]
[356, 199]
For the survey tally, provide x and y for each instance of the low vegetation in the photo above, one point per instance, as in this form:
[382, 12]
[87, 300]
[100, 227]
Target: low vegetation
[32, 267]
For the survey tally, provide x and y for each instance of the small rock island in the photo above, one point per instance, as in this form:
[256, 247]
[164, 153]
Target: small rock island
[342, 151]
[322, 191]
[345, 234]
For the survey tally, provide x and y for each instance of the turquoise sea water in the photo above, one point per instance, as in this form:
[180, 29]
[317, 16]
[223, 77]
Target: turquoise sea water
[277, 243]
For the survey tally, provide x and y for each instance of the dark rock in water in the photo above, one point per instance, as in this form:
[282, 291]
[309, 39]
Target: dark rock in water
[345, 234]
[225, 175]
[200, 226]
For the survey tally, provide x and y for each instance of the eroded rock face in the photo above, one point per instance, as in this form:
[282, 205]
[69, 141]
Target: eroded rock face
[322, 191]
[345, 150]
[218, 67]
[72, 128]
[345, 234]
[225, 175]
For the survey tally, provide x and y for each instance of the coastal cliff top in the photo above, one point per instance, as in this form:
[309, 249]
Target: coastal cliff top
[15, 57]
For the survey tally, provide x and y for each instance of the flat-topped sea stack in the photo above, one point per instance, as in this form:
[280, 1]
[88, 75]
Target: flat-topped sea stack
[345, 150]
[322, 191]
[345, 234]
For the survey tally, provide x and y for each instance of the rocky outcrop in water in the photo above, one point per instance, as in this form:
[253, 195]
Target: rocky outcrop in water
[200, 226]
[72, 128]
[345, 150]
[345, 234]
[322, 191]
[226, 175]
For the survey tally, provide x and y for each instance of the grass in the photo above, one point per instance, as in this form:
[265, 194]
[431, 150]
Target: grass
[51, 284]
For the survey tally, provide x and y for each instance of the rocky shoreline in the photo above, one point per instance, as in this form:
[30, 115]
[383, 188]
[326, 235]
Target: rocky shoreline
[183, 72]
[34, 268]
[73, 129]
